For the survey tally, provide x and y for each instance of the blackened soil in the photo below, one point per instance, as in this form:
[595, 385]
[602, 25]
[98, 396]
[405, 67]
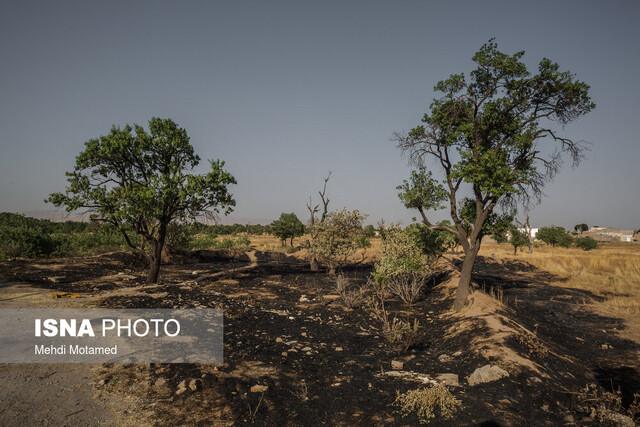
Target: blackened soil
[340, 378]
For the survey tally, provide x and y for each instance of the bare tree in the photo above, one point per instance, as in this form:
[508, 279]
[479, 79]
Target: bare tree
[313, 210]
[526, 225]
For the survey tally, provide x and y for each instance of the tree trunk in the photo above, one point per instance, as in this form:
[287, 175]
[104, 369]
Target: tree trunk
[464, 283]
[530, 247]
[515, 250]
[313, 264]
[154, 269]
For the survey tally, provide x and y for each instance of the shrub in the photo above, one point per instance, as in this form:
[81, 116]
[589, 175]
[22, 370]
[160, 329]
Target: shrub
[586, 243]
[28, 242]
[554, 236]
[351, 298]
[426, 402]
[334, 239]
[178, 239]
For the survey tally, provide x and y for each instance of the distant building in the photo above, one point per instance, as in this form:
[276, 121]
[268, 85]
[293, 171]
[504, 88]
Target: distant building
[609, 234]
[534, 231]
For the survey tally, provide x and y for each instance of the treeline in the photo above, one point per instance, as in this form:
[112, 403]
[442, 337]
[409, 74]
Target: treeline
[26, 237]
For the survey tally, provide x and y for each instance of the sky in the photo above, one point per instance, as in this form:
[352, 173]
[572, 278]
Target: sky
[284, 92]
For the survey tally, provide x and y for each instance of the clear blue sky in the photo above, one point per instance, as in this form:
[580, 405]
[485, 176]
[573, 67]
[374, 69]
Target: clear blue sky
[286, 91]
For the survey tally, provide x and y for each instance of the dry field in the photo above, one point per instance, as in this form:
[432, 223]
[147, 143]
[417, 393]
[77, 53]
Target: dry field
[612, 272]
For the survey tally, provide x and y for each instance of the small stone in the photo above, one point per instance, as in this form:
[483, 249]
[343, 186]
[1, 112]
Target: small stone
[284, 353]
[444, 358]
[457, 353]
[304, 298]
[486, 374]
[193, 384]
[181, 390]
[101, 382]
[569, 419]
[397, 365]
[616, 419]
[160, 382]
[307, 349]
[291, 342]
[183, 384]
[259, 388]
[545, 408]
[448, 379]
[304, 334]
[338, 348]
[279, 340]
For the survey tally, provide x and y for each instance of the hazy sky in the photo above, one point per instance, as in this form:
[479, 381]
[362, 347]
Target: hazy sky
[286, 91]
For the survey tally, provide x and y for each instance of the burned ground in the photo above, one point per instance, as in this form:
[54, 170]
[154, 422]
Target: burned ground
[326, 364]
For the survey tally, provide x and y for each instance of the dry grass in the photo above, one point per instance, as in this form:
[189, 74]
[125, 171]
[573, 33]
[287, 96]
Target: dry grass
[612, 271]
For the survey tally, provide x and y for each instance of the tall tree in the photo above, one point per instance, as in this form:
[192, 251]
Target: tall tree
[140, 181]
[487, 134]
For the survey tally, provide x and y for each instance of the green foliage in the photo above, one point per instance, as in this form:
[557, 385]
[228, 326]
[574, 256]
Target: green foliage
[554, 236]
[141, 181]
[518, 238]
[288, 226]
[401, 253]
[369, 231]
[363, 242]
[422, 192]
[495, 224]
[432, 243]
[335, 238]
[21, 236]
[586, 243]
[580, 228]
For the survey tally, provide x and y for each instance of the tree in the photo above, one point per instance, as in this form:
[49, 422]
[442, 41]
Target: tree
[488, 132]
[580, 228]
[335, 238]
[140, 181]
[313, 210]
[586, 243]
[288, 226]
[554, 236]
[518, 238]
[526, 226]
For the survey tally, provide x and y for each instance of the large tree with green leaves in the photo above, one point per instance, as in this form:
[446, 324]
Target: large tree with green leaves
[140, 181]
[494, 136]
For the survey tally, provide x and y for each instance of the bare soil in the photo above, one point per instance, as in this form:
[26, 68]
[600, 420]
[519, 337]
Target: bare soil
[343, 377]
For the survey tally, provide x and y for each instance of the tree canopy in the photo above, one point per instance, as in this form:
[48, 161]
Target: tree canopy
[494, 136]
[288, 226]
[141, 181]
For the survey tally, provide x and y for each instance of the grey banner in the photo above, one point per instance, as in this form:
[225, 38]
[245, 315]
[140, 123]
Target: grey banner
[111, 336]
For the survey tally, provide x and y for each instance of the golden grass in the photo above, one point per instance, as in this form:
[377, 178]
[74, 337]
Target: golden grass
[611, 271]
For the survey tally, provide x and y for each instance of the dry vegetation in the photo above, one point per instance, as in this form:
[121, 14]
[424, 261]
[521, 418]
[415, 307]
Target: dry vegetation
[612, 272]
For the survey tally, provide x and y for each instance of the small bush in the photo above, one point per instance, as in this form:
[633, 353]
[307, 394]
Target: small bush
[408, 287]
[427, 402]
[586, 243]
[351, 298]
[533, 345]
[178, 239]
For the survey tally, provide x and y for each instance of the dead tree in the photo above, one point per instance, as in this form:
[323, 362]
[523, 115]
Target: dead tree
[526, 225]
[313, 210]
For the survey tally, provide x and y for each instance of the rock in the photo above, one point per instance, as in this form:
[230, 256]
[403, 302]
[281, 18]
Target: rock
[545, 408]
[338, 348]
[259, 388]
[569, 419]
[101, 382]
[397, 365]
[160, 382]
[279, 340]
[457, 353]
[183, 384]
[181, 388]
[486, 374]
[284, 353]
[307, 349]
[193, 384]
[617, 419]
[304, 334]
[444, 358]
[304, 298]
[291, 342]
[448, 379]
